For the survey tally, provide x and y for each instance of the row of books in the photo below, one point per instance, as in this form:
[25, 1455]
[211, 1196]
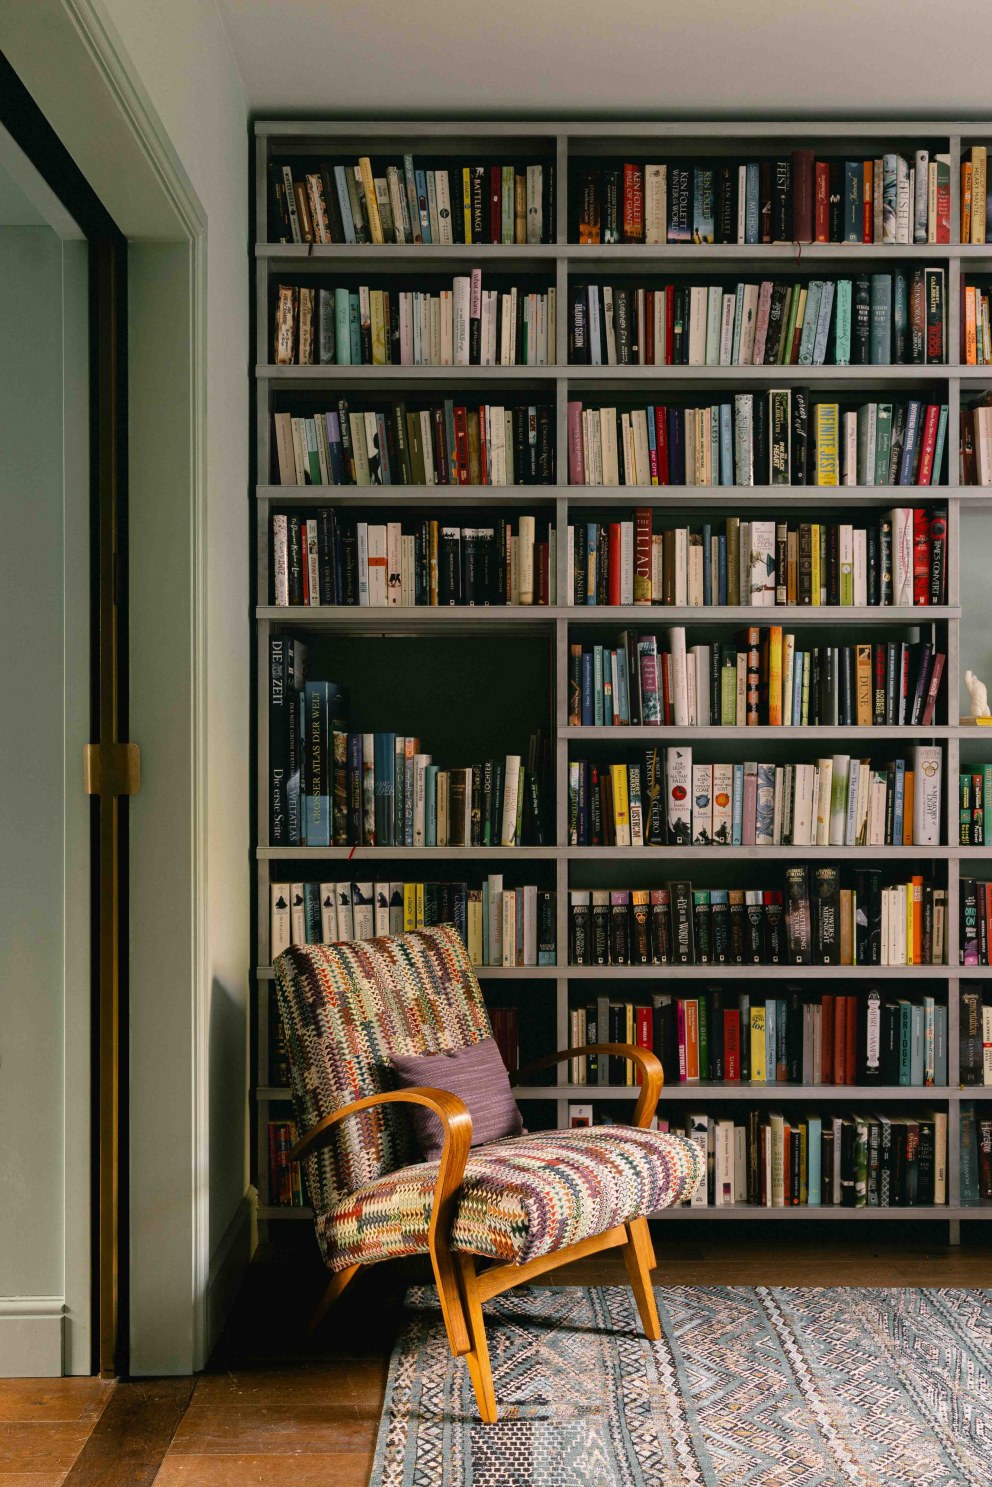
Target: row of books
[804, 1037]
[866, 922]
[976, 202]
[976, 1037]
[465, 325]
[330, 785]
[764, 679]
[974, 793]
[286, 1186]
[976, 442]
[976, 331]
[898, 558]
[838, 801]
[773, 438]
[326, 558]
[441, 444]
[498, 925]
[975, 899]
[377, 202]
[869, 320]
[856, 1159]
[795, 198]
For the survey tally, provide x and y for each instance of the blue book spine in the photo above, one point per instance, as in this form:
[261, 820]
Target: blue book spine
[881, 320]
[408, 771]
[355, 329]
[588, 706]
[722, 556]
[909, 443]
[676, 446]
[399, 787]
[752, 203]
[597, 686]
[771, 1013]
[595, 331]
[652, 447]
[425, 216]
[797, 690]
[334, 450]
[726, 444]
[738, 816]
[342, 327]
[823, 323]
[900, 317]
[938, 445]
[702, 205]
[623, 708]
[707, 563]
[905, 1041]
[714, 445]
[311, 913]
[344, 202]
[898, 802]
[814, 1147]
[811, 319]
[430, 805]
[384, 756]
[592, 548]
[940, 1045]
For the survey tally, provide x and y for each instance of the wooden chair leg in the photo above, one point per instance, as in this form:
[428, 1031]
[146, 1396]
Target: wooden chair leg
[479, 1367]
[637, 1256]
[337, 1283]
[450, 1296]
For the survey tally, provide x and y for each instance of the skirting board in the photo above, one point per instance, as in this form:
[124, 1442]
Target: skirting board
[228, 1266]
[31, 1336]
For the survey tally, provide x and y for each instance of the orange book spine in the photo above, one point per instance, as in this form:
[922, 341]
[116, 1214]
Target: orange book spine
[966, 201]
[691, 1038]
[970, 327]
[775, 676]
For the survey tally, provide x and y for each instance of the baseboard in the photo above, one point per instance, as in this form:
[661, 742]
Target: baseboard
[31, 1336]
[227, 1268]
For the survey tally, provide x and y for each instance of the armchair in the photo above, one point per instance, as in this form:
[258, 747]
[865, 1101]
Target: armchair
[490, 1217]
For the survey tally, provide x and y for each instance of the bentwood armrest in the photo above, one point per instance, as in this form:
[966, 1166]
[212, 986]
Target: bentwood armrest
[652, 1074]
[452, 1112]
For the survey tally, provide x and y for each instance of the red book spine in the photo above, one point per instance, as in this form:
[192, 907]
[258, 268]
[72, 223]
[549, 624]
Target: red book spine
[642, 555]
[840, 1040]
[647, 350]
[485, 474]
[666, 699]
[921, 554]
[934, 688]
[879, 657]
[576, 453]
[543, 573]
[827, 1039]
[731, 1046]
[680, 1032]
[613, 570]
[938, 556]
[927, 449]
[822, 208]
[669, 323]
[645, 1035]
[628, 203]
[495, 203]
[461, 445]
[851, 1043]
[803, 167]
[661, 443]
[867, 218]
[944, 212]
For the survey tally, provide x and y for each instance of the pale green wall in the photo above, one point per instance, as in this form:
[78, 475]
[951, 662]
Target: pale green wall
[976, 598]
[44, 885]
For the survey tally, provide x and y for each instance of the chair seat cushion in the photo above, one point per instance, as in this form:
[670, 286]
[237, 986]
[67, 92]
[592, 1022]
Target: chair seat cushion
[520, 1198]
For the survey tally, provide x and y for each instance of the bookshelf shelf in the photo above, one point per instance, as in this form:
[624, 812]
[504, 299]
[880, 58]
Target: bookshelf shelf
[548, 631]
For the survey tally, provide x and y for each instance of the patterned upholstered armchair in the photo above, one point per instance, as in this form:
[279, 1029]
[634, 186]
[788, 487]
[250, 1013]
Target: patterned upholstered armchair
[490, 1217]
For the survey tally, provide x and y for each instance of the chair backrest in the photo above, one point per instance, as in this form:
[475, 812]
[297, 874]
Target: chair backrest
[347, 1010]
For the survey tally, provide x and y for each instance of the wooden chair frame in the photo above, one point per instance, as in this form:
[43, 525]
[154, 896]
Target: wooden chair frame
[462, 1286]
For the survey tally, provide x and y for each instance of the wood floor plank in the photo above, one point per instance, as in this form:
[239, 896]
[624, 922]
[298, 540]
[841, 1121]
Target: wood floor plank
[40, 1446]
[31, 1479]
[278, 1429]
[356, 1382]
[349, 1469]
[80, 1399]
[129, 1441]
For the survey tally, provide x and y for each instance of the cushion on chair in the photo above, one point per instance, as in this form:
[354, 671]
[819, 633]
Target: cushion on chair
[520, 1198]
[477, 1075]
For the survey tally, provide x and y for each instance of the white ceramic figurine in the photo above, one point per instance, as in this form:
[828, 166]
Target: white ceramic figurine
[978, 692]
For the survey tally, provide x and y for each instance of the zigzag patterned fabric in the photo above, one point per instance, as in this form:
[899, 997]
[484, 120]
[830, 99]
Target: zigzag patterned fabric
[347, 1010]
[520, 1198]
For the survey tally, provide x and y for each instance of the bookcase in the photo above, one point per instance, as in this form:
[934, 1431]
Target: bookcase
[464, 674]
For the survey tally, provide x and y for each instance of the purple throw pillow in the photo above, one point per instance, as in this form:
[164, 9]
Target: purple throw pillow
[475, 1074]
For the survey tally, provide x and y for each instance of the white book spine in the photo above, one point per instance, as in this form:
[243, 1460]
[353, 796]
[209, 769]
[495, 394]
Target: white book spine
[927, 761]
[279, 919]
[297, 915]
[280, 560]
[511, 784]
[461, 291]
[420, 763]
[678, 676]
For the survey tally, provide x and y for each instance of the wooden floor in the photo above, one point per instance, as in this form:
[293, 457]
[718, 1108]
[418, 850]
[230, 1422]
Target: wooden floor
[274, 1410]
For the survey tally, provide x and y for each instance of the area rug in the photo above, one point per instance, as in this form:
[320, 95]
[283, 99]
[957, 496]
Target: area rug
[770, 1387]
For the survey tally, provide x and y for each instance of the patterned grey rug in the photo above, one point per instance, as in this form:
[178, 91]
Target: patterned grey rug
[791, 1387]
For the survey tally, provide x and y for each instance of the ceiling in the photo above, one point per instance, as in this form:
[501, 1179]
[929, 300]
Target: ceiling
[626, 57]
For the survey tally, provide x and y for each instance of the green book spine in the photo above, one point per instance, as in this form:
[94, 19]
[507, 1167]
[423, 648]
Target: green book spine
[704, 1038]
[842, 333]
[789, 311]
[883, 442]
